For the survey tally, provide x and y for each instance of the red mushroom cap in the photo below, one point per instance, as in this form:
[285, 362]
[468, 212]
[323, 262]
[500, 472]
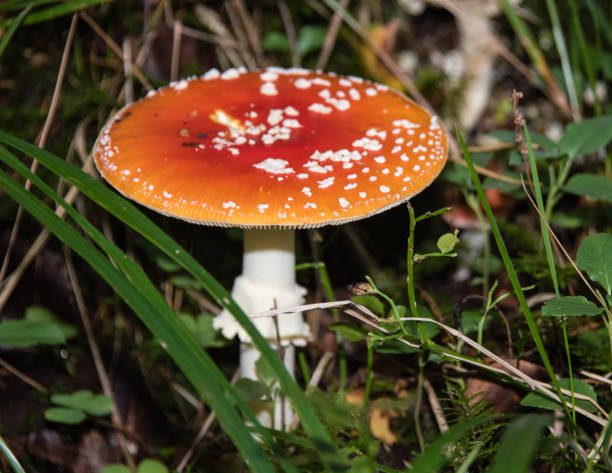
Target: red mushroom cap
[281, 147]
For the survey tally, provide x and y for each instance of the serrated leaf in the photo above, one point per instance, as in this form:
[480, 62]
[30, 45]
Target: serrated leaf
[536, 399]
[446, 243]
[64, 415]
[595, 257]
[24, 333]
[572, 306]
[149, 465]
[586, 136]
[593, 186]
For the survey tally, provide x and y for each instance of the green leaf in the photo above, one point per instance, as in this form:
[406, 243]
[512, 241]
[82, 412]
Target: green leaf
[202, 329]
[116, 468]
[139, 294]
[38, 313]
[97, 405]
[595, 257]
[310, 38]
[166, 264]
[64, 415]
[149, 465]
[519, 444]
[354, 333]
[185, 282]
[264, 371]
[371, 302]
[63, 8]
[10, 31]
[446, 243]
[593, 186]
[510, 137]
[586, 136]
[536, 399]
[24, 333]
[151, 307]
[251, 390]
[275, 41]
[572, 306]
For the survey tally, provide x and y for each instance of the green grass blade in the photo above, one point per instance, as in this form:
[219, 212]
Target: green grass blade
[14, 24]
[13, 5]
[131, 216]
[140, 281]
[180, 344]
[436, 454]
[585, 53]
[519, 444]
[540, 202]
[503, 251]
[63, 8]
[564, 57]
[10, 457]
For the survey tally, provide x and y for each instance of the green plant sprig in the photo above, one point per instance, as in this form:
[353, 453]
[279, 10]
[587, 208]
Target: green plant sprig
[501, 246]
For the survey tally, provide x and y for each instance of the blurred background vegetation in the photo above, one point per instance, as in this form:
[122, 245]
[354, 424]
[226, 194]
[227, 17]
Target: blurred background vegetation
[483, 66]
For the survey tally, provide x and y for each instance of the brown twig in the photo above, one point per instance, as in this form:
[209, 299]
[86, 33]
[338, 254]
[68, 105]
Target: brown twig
[22, 376]
[42, 139]
[251, 31]
[97, 358]
[330, 36]
[175, 61]
[241, 36]
[290, 31]
[116, 49]
[203, 430]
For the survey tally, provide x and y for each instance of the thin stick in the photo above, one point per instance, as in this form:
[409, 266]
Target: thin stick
[436, 407]
[384, 57]
[127, 70]
[42, 239]
[116, 49]
[508, 369]
[290, 31]
[317, 374]
[175, 61]
[241, 35]
[97, 357]
[205, 428]
[251, 31]
[569, 258]
[22, 376]
[330, 36]
[42, 139]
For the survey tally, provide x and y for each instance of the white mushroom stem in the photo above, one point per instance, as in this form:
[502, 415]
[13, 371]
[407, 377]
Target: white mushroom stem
[268, 282]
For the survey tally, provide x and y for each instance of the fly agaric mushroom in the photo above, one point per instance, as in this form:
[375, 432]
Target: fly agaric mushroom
[269, 152]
